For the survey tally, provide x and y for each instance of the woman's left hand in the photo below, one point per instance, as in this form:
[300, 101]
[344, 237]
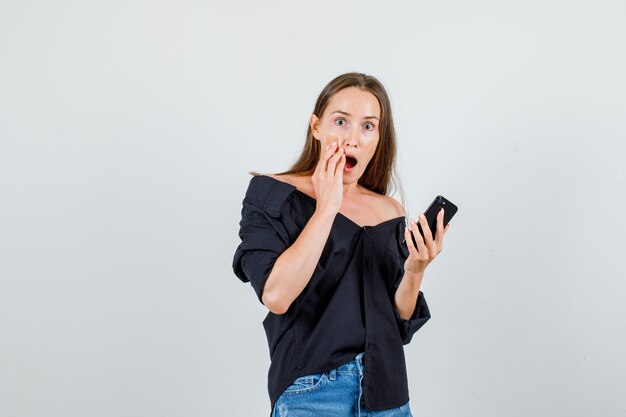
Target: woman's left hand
[427, 248]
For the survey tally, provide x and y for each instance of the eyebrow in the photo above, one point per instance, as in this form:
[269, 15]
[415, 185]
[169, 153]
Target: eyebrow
[348, 114]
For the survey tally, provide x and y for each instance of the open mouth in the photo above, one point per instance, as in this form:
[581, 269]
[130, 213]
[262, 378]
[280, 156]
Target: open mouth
[350, 162]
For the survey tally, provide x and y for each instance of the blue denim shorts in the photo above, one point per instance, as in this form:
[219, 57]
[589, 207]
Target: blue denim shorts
[334, 393]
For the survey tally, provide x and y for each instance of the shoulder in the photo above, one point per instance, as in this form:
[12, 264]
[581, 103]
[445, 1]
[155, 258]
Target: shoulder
[392, 207]
[386, 204]
[301, 183]
[267, 193]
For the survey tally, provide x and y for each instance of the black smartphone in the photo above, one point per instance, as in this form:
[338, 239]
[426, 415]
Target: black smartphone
[440, 202]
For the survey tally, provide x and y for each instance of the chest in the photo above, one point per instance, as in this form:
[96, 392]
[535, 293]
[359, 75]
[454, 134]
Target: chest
[365, 212]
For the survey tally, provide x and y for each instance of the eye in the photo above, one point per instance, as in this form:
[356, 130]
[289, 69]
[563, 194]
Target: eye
[340, 120]
[371, 126]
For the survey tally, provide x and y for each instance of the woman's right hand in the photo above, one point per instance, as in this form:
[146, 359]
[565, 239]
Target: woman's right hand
[328, 178]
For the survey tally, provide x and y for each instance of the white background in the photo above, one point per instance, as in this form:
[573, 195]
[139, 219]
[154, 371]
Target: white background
[127, 129]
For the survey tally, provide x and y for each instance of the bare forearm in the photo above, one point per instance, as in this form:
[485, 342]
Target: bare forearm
[407, 292]
[294, 267]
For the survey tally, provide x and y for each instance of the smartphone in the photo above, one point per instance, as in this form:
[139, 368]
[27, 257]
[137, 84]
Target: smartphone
[440, 202]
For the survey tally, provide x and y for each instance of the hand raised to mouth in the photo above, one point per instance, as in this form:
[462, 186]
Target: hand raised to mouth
[328, 178]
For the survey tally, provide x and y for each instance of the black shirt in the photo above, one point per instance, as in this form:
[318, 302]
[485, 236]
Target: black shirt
[347, 306]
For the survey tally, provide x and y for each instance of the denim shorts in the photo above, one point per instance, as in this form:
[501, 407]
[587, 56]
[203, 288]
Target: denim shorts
[335, 393]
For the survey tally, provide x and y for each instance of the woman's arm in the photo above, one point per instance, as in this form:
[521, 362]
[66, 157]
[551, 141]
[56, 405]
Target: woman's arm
[405, 298]
[293, 269]
[427, 249]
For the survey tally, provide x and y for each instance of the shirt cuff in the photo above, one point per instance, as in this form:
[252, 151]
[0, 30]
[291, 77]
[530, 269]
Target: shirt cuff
[420, 316]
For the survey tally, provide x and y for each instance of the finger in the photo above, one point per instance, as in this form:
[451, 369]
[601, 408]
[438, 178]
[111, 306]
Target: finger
[332, 163]
[421, 246]
[409, 242]
[330, 151]
[439, 233]
[325, 154]
[428, 236]
[340, 165]
[444, 232]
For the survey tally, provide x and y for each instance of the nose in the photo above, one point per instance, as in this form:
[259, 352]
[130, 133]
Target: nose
[352, 137]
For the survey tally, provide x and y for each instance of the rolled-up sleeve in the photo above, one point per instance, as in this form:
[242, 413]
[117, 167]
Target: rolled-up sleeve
[261, 244]
[420, 316]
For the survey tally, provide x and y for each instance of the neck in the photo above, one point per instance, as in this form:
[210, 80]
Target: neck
[350, 189]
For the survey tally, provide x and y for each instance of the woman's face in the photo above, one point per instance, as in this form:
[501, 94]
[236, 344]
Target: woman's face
[351, 119]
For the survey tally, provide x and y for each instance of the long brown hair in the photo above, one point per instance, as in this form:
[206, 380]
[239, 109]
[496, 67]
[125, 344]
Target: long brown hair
[380, 175]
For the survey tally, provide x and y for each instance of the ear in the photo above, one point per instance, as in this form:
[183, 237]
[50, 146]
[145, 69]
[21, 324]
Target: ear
[314, 121]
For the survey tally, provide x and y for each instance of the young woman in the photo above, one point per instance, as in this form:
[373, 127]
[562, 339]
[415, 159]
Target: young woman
[329, 253]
